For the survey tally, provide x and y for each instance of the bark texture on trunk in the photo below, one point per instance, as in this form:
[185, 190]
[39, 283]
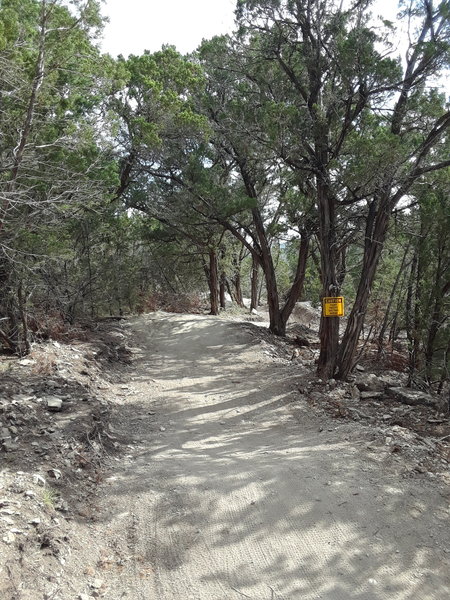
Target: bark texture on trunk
[24, 319]
[254, 294]
[437, 314]
[376, 229]
[384, 325]
[213, 282]
[237, 290]
[329, 326]
[222, 287]
[297, 287]
[9, 319]
[276, 325]
[236, 287]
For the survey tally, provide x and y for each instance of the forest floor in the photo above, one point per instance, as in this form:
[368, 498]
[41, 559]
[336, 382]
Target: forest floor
[179, 457]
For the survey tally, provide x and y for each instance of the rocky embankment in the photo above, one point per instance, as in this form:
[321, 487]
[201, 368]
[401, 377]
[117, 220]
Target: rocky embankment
[55, 438]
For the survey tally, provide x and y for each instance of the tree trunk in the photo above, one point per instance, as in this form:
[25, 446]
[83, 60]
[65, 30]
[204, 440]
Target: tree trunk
[376, 229]
[236, 292]
[254, 294]
[387, 313]
[408, 318]
[222, 286]
[89, 266]
[329, 326]
[276, 325]
[213, 282]
[418, 322]
[6, 325]
[436, 321]
[445, 373]
[297, 287]
[24, 319]
[437, 317]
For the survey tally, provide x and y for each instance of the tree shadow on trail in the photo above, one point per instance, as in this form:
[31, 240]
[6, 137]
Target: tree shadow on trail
[224, 476]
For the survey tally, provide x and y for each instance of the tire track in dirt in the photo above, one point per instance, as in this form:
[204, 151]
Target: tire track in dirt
[228, 496]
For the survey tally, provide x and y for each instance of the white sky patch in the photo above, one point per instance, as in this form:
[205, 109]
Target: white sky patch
[138, 25]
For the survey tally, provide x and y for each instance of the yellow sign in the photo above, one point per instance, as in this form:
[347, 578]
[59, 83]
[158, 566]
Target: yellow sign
[333, 307]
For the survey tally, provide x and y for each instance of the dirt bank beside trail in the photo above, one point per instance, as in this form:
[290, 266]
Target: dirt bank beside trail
[223, 482]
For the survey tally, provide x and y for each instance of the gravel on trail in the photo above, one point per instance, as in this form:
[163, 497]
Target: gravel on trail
[233, 487]
[190, 457]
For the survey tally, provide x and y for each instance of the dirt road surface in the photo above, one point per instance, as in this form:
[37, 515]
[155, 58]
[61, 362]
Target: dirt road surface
[232, 489]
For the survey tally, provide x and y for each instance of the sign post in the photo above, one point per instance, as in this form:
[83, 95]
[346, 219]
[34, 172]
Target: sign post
[333, 306]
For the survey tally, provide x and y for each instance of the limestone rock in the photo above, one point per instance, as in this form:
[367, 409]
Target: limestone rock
[9, 445]
[9, 538]
[369, 383]
[412, 397]
[5, 433]
[391, 380]
[54, 404]
[371, 394]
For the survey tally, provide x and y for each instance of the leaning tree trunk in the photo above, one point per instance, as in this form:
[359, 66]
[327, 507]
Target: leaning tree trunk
[24, 319]
[445, 374]
[213, 282]
[418, 313]
[409, 322]
[297, 287]
[254, 281]
[329, 326]
[437, 317]
[222, 287]
[6, 326]
[376, 229]
[384, 325]
[236, 279]
[237, 290]
[276, 326]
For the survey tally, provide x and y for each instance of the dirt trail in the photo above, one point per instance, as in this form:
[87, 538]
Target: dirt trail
[232, 489]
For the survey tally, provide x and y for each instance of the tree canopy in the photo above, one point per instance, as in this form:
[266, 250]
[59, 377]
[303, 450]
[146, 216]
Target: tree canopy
[303, 151]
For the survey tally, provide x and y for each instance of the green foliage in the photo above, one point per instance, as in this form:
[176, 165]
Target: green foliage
[119, 176]
[57, 163]
[431, 332]
[158, 99]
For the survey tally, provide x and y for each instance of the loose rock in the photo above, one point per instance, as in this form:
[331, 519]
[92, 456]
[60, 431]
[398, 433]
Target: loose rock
[411, 397]
[54, 404]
